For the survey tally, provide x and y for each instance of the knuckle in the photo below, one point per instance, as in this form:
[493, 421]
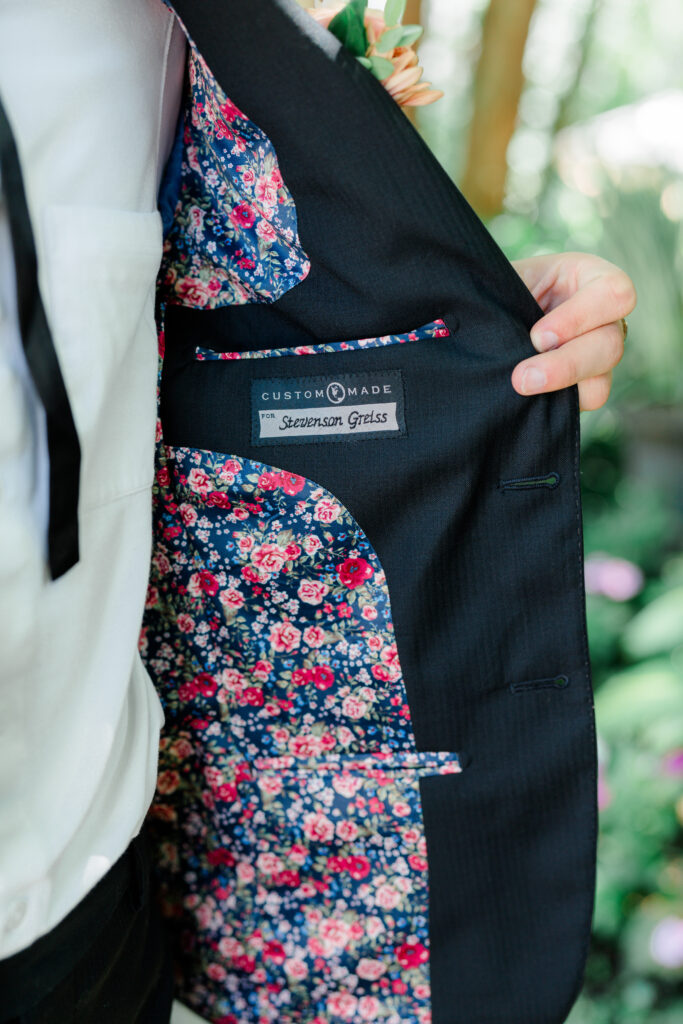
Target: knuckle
[604, 388]
[595, 392]
[623, 291]
[614, 348]
[569, 372]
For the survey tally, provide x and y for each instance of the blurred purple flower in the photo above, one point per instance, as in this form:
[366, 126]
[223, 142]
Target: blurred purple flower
[604, 792]
[673, 763]
[616, 578]
[666, 942]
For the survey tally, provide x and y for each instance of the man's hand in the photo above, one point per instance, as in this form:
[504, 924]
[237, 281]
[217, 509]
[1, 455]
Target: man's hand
[580, 336]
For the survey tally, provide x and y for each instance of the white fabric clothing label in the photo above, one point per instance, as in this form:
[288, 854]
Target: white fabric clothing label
[338, 407]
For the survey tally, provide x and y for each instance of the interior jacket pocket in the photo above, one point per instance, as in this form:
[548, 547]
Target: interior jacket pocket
[435, 329]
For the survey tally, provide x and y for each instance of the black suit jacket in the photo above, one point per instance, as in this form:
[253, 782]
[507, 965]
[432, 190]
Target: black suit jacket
[475, 514]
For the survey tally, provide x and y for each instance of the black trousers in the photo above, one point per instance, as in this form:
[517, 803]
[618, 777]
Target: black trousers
[107, 962]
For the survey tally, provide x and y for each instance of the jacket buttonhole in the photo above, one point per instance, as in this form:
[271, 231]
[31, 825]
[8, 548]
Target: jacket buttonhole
[524, 483]
[560, 682]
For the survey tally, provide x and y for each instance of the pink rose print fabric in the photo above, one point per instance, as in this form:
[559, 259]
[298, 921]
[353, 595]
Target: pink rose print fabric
[233, 237]
[288, 822]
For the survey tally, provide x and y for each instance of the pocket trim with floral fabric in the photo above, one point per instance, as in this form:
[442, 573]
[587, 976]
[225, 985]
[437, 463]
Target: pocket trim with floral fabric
[434, 329]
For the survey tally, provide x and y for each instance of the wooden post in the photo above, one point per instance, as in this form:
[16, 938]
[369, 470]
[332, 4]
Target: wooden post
[497, 89]
[413, 15]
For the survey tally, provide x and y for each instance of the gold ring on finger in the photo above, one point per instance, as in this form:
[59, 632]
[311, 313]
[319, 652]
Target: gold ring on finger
[624, 327]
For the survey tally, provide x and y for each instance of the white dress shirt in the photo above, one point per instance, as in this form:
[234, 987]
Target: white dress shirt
[92, 90]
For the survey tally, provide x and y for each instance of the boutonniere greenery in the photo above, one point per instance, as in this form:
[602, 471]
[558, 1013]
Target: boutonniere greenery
[382, 44]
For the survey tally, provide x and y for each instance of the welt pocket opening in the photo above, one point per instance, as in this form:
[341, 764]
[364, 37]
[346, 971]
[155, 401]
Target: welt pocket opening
[434, 329]
[430, 763]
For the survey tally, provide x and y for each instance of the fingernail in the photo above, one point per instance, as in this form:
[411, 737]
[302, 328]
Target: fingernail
[544, 340]
[533, 380]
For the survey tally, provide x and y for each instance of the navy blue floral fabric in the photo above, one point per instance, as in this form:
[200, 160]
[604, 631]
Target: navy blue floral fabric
[291, 845]
[233, 237]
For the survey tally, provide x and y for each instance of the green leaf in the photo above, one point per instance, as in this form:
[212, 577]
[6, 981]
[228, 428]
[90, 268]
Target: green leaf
[365, 61]
[657, 628]
[411, 33]
[389, 39]
[394, 11]
[349, 27]
[381, 68]
[631, 700]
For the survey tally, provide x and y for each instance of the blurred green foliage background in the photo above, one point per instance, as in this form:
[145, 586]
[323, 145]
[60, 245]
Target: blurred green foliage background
[595, 163]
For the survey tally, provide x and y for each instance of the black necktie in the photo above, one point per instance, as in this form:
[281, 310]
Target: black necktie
[63, 444]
